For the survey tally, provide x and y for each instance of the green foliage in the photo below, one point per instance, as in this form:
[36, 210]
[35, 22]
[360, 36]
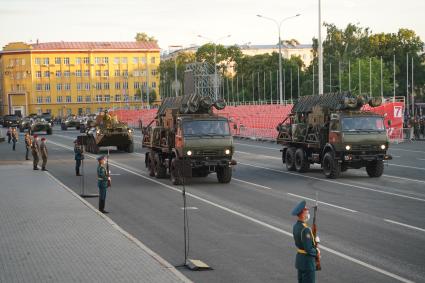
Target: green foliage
[143, 37]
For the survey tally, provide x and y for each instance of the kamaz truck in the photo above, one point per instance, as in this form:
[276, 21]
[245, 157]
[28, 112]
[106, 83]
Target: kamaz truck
[333, 131]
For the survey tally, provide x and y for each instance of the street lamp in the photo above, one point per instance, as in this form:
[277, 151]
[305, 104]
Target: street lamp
[176, 88]
[279, 24]
[215, 59]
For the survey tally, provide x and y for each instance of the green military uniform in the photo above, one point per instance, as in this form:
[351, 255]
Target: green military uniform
[305, 261]
[35, 151]
[102, 184]
[44, 154]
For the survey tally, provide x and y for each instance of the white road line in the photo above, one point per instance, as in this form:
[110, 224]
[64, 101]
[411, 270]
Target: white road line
[325, 203]
[405, 166]
[405, 225]
[420, 158]
[330, 181]
[257, 146]
[409, 150]
[264, 224]
[249, 153]
[252, 184]
[404, 178]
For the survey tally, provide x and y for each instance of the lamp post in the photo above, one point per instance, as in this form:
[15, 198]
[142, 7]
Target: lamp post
[215, 60]
[176, 88]
[320, 50]
[279, 24]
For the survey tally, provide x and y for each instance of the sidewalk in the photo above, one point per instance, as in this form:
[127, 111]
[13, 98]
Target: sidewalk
[49, 234]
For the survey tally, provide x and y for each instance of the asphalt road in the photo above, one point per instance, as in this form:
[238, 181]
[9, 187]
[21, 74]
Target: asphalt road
[372, 230]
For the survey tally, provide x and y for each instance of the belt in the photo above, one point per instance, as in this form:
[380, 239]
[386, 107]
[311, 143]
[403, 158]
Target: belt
[300, 251]
[101, 179]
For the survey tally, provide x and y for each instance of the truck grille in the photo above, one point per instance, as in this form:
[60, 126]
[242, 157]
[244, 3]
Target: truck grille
[207, 152]
[365, 147]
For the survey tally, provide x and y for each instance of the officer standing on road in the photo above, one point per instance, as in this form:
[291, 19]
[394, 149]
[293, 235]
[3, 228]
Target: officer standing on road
[102, 182]
[35, 151]
[9, 135]
[43, 152]
[28, 143]
[14, 138]
[307, 252]
[79, 156]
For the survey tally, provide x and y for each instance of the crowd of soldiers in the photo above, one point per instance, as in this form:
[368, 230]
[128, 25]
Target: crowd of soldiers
[416, 128]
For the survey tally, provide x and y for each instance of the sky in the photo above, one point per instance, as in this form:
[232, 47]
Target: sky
[179, 22]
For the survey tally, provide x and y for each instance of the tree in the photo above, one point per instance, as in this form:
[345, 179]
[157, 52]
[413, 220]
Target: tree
[225, 55]
[143, 37]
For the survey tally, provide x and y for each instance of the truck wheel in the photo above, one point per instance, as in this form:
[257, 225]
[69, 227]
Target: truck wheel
[159, 169]
[224, 174]
[331, 167]
[151, 164]
[49, 131]
[375, 169]
[130, 148]
[174, 174]
[290, 159]
[301, 163]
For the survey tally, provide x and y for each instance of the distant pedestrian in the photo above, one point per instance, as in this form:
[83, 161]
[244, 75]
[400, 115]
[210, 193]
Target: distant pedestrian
[305, 242]
[79, 156]
[14, 138]
[43, 153]
[35, 151]
[9, 135]
[28, 143]
[102, 182]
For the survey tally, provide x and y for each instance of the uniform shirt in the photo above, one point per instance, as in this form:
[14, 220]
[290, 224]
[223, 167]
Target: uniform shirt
[35, 148]
[43, 149]
[28, 141]
[102, 176]
[78, 152]
[15, 136]
[304, 241]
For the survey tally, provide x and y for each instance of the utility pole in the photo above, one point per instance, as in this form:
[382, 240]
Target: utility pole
[320, 50]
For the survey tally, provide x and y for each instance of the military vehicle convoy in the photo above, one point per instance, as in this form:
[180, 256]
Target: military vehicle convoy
[332, 131]
[40, 125]
[187, 140]
[70, 122]
[108, 132]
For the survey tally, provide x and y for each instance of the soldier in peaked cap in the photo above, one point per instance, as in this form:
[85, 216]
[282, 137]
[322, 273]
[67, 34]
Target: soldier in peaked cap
[306, 245]
[102, 182]
[78, 156]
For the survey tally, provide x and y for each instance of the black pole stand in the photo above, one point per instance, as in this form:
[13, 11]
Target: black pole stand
[83, 184]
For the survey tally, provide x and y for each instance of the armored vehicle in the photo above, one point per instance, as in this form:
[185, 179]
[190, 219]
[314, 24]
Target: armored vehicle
[40, 125]
[108, 132]
[70, 122]
[186, 139]
[11, 121]
[332, 131]
[87, 122]
[47, 117]
[25, 124]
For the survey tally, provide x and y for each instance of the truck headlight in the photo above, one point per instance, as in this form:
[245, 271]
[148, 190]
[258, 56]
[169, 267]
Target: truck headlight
[189, 153]
[383, 146]
[227, 151]
[347, 147]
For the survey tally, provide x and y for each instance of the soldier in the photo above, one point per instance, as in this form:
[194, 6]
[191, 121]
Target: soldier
[28, 144]
[9, 135]
[102, 182]
[79, 156]
[14, 138]
[43, 152]
[35, 151]
[107, 119]
[307, 251]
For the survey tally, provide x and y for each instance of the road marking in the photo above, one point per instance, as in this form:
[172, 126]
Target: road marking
[403, 178]
[405, 166]
[249, 153]
[252, 184]
[257, 146]
[259, 222]
[330, 181]
[405, 225]
[189, 208]
[420, 158]
[409, 150]
[325, 203]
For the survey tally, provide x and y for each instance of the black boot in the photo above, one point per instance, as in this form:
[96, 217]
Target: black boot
[102, 206]
[77, 172]
[35, 168]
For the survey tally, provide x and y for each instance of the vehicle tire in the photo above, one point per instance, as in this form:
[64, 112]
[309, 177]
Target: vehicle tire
[375, 169]
[130, 148]
[284, 156]
[160, 170]
[301, 162]
[344, 168]
[290, 159]
[224, 174]
[151, 164]
[95, 147]
[175, 178]
[331, 167]
[49, 131]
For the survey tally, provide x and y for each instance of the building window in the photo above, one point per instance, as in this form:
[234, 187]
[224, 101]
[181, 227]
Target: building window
[98, 85]
[88, 98]
[136, 97]
[46, 74]
[78, 61]
[124, 60]
[39, 99]
[47, 87]
[153, 84]
[58, 60]
[117, 73]
[125, 85]
[58, 74]
[117, 98]
[87, 86]
[59, 99]
[107, 98]
[126, 98]
[125, 73]
[86, 73]
[105, 60]
[68, 111]
[86, 60]
[143, 73]
[38, 74]
[106, 86]
[97, 73]
[66, 74]
[136, 85]
[117, 85]
[98, 98]
[135, 60]
[67, 86]
[68, 99]
[66, 61]
[79, 86]
[38, 87]
[154, 72]
[100, 109]
[143, 60]
[145, 84]
[58, 87]
[97, 60]
[80, 98]
[48, 100]
[153, 60]
[46, 61]
[106, 73]
[37, 61]
[23, 62]
[78, 73]
[116, 60]
[88, 110]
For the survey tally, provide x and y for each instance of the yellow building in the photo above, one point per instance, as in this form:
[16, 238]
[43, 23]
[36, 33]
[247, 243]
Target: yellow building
[77, 77]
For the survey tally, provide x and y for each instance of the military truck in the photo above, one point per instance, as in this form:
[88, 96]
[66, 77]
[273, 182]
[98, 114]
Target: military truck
[331, 130]
[40, 125]
[187, 140]
[108, 131]
[70, 122]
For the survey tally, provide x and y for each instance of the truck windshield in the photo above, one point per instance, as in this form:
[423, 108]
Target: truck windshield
[363, 124]
[206, 128]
